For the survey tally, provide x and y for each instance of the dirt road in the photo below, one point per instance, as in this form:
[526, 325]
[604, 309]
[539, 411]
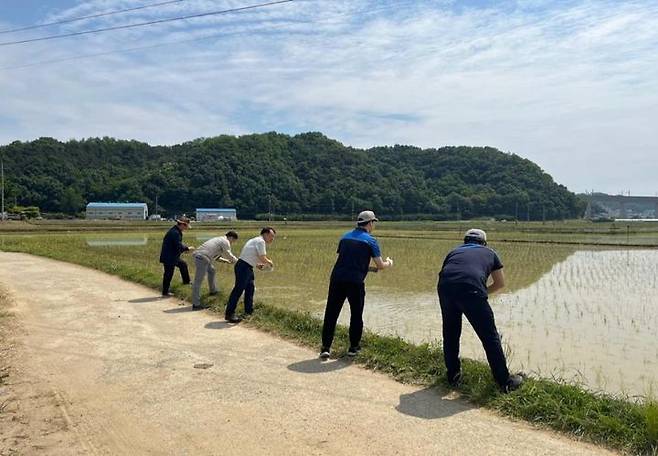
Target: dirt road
[104, 366]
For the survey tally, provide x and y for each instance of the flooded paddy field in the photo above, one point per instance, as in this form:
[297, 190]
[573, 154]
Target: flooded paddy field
[583, 313]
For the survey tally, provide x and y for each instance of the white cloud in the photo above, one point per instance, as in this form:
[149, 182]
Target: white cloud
[567, 86]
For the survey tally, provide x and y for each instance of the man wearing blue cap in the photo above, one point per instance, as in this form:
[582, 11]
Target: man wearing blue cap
[463, 290]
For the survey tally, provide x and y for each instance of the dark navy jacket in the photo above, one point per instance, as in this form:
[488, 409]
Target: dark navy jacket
[172, 246]
[469, 264]
[355, 250]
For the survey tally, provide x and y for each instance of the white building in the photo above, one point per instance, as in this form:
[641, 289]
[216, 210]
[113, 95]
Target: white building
[213, 215]
[117, 211]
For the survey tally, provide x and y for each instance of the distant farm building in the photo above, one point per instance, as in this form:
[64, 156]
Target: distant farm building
[117, 211]
[600, 205]
[213, 215]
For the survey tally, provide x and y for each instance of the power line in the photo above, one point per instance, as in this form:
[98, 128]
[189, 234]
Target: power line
[139, 48]
[141, 24]
[92, 16]
[113, 51]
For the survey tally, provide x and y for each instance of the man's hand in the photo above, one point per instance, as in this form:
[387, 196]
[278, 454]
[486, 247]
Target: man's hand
[383, 264]
[498, 281]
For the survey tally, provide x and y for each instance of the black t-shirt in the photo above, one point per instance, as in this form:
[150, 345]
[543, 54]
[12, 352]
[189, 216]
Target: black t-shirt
[355, 250]
[469, 264]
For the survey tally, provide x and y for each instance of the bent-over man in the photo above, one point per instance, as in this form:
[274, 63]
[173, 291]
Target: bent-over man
[172, 248]
[253, 255]
[355, 250]
[217, 248]
[463, 290]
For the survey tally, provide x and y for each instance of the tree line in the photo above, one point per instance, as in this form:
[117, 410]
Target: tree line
[307, 175]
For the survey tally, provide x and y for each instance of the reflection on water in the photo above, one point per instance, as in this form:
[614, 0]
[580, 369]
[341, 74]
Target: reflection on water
[141, 240]
[116, 242]
[592, 318]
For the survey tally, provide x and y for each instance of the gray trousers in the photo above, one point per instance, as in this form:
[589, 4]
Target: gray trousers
[203, 267]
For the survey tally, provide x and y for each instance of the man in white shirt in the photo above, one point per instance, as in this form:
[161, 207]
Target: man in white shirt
[217, 248]
[253, 255]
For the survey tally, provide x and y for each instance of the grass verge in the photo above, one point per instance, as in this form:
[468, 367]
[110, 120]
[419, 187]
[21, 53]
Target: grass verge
[597, 417]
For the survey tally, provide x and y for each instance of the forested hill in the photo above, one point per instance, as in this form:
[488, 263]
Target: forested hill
[304, 174]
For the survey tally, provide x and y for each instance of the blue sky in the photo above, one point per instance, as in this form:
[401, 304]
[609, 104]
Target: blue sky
[570, 85]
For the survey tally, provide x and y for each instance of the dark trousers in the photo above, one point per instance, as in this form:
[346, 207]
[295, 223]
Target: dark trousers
[463, 299]
[338, 292]
[244, 282]
[169, 274]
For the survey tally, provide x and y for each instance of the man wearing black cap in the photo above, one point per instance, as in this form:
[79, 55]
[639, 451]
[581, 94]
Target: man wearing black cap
[463, 289]
[172, 247]
[355, 250]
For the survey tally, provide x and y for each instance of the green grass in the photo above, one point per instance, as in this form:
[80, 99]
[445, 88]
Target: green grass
[612, 421]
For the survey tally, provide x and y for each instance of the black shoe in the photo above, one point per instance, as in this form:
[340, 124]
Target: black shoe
[167, 295]
[232, 318]
[455, 380]
[514, 382]
[213, 293]
[325, 353]
[200, 307]
[353, 351]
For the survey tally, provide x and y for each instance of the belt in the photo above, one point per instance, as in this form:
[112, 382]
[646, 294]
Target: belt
[202, 256]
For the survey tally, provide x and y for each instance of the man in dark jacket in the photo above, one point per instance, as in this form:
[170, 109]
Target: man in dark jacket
[172, 247]
[463, 290]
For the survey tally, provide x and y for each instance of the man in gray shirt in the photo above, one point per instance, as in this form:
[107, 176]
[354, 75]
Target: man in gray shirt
[217, 248]
[253, 254]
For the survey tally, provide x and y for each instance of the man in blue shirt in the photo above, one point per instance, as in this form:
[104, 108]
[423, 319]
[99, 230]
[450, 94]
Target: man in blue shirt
[355, 250]
[463, 290]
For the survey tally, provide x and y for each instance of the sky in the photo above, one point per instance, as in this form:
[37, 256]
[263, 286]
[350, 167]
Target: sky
[570, 85]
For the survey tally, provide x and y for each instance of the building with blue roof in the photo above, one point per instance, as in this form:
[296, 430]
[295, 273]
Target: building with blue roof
[213, 215]
[117, 211]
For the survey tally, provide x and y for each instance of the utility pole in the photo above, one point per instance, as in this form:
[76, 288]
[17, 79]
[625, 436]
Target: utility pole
[156, 205]
[527, 214]
[2, 173]
[270, 207]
